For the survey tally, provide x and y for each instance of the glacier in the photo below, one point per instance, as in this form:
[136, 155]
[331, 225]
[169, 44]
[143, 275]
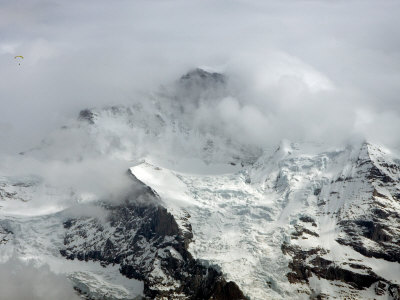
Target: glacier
[240, 220]
[185, 209]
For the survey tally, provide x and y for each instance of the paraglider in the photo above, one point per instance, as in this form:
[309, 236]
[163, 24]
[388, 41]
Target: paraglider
[19, 57]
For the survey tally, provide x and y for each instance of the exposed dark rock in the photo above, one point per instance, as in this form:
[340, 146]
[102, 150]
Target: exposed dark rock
[387, 254]
[307, 219]
[202, 78]
[301, 272]
[374, 233]
[376, 174]
[86, 115]
[359, 267]
[5, 234]
[317, 192]
[303, 268]
[381, 213]
[394, 291]
[198, 86]
[227, 291]
[380, 288]
[300, 231]
[149, 246]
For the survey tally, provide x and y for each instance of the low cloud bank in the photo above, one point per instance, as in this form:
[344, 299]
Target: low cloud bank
[324, 71]
[306, 69]
[20, 281]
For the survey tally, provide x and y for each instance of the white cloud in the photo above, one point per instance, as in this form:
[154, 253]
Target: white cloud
[20, 281]
[304, 68]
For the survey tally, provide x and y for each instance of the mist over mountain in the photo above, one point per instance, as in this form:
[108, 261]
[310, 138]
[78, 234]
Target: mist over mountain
[297, 65]
[199, 150]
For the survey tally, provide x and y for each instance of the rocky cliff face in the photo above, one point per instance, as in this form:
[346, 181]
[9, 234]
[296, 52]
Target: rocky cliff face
[297, 223]
[145, 240]
[361, 203]
[216, 218]
[294, 224]
[372, 227]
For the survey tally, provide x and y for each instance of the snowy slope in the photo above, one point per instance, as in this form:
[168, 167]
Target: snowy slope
[39, 239]
[34, 208]
[32, 214]
[133, 249]
[253, 222]
[295, 221]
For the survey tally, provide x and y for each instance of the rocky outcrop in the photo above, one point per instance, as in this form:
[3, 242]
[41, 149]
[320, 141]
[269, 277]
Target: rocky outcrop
[86, 115]
[302, 232]
[202, 78]
[145, 240]
[306, 263]
[376, 231]
[364, 195]
[199, 85]
[5, 234]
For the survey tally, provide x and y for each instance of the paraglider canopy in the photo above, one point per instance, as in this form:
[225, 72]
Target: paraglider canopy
[19, 57]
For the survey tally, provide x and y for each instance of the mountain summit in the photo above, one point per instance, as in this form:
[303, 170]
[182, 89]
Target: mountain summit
[158, 200]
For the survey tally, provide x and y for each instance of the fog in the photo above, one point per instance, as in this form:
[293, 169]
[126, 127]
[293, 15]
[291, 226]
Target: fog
[325, 71]
[307, 69]
[20, 281]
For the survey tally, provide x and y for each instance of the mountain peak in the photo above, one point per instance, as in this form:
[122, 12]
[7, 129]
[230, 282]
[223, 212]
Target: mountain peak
[203, 75]
[198, 81]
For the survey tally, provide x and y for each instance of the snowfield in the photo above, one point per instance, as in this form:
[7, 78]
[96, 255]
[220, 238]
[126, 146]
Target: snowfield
[292, 221]
[35, 234]
[240, 220]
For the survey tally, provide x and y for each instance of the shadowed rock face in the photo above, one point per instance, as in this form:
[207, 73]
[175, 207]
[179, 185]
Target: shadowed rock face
[367, 219]
[199, 86]
[149, 246]
[86, 115]
[380, 222]
[202, 78]
[303, 266]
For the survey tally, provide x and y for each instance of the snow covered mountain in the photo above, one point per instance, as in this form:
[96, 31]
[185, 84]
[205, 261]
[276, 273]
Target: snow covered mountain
[207, 214]
[295, 224]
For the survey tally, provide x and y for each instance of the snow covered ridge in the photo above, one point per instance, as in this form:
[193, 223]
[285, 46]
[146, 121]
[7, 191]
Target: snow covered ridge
[36, 242]
[148, 245]
[124, 133]
[218, 217]
[137, 252]
[182, 120]
[295, 224]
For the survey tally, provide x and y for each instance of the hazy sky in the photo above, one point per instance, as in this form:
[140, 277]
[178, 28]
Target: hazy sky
[322, 67]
